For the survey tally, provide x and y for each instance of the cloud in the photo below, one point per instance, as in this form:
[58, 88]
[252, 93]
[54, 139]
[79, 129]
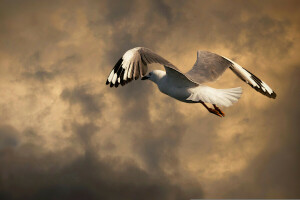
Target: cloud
[65, 135]
[8, 137]
[85, 177]
[89, 103]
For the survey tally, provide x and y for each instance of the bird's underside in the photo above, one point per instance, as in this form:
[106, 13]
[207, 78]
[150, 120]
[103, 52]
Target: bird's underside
[208, 67]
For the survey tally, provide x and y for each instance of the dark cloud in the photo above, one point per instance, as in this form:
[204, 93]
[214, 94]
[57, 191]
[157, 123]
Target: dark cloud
[163, 9]
[40, 75]
[68, 136]
[35, 69]
[282, 151]
[85, 177]
[89, 179]
[8, 137]
[26, 28]
[89, 103]
[158, 147]
[119, 10]
[273, 172]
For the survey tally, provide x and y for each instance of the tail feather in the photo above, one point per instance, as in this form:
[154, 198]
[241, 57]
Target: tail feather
[229, 96]
[220, 97]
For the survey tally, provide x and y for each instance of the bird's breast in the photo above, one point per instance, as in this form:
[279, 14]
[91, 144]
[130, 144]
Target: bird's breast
[179, 93]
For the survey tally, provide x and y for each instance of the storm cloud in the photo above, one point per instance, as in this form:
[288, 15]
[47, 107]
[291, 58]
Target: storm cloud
[65, 135]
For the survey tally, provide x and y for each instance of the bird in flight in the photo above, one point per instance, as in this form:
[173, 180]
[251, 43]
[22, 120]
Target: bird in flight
[186, 87]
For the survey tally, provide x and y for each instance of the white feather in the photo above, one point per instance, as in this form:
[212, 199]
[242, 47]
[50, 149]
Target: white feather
[114, 78]
[110, 76]
[221, 97]
[130, 70]
[270, 91]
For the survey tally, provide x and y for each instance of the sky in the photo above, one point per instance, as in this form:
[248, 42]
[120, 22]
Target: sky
[65, 135]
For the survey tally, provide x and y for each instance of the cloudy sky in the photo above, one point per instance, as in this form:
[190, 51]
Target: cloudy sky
[65, 135]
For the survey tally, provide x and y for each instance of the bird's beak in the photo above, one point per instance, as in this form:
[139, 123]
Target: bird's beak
[145, 77]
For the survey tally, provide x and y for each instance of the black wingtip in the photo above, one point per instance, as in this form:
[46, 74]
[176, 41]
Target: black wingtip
[259, 89]
[116, 70]
[264, 92]
[118, 65]
[273, 95]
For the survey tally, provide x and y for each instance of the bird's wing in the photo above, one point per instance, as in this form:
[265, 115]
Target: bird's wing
[252, 80]
[209, 66]
[134, 63]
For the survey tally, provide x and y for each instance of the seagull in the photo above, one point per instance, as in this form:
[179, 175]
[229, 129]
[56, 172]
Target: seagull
[186, 87]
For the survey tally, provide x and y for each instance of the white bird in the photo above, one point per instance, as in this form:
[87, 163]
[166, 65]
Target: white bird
[187, 87]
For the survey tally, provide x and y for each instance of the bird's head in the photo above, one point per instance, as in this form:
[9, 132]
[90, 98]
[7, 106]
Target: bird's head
[154, 76]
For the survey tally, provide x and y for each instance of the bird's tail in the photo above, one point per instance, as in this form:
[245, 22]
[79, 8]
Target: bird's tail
[229, 96]
[220, 97]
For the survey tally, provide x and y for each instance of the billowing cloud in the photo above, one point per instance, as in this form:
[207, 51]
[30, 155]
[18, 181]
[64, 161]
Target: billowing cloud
[65, 135]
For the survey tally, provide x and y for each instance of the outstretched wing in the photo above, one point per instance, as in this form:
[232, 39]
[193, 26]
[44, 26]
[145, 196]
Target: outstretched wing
[209, 66]
[133, 65]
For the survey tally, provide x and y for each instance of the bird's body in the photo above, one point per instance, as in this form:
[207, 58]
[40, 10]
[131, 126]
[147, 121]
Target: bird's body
[169, 87]
[187, 87]
[180, 91]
